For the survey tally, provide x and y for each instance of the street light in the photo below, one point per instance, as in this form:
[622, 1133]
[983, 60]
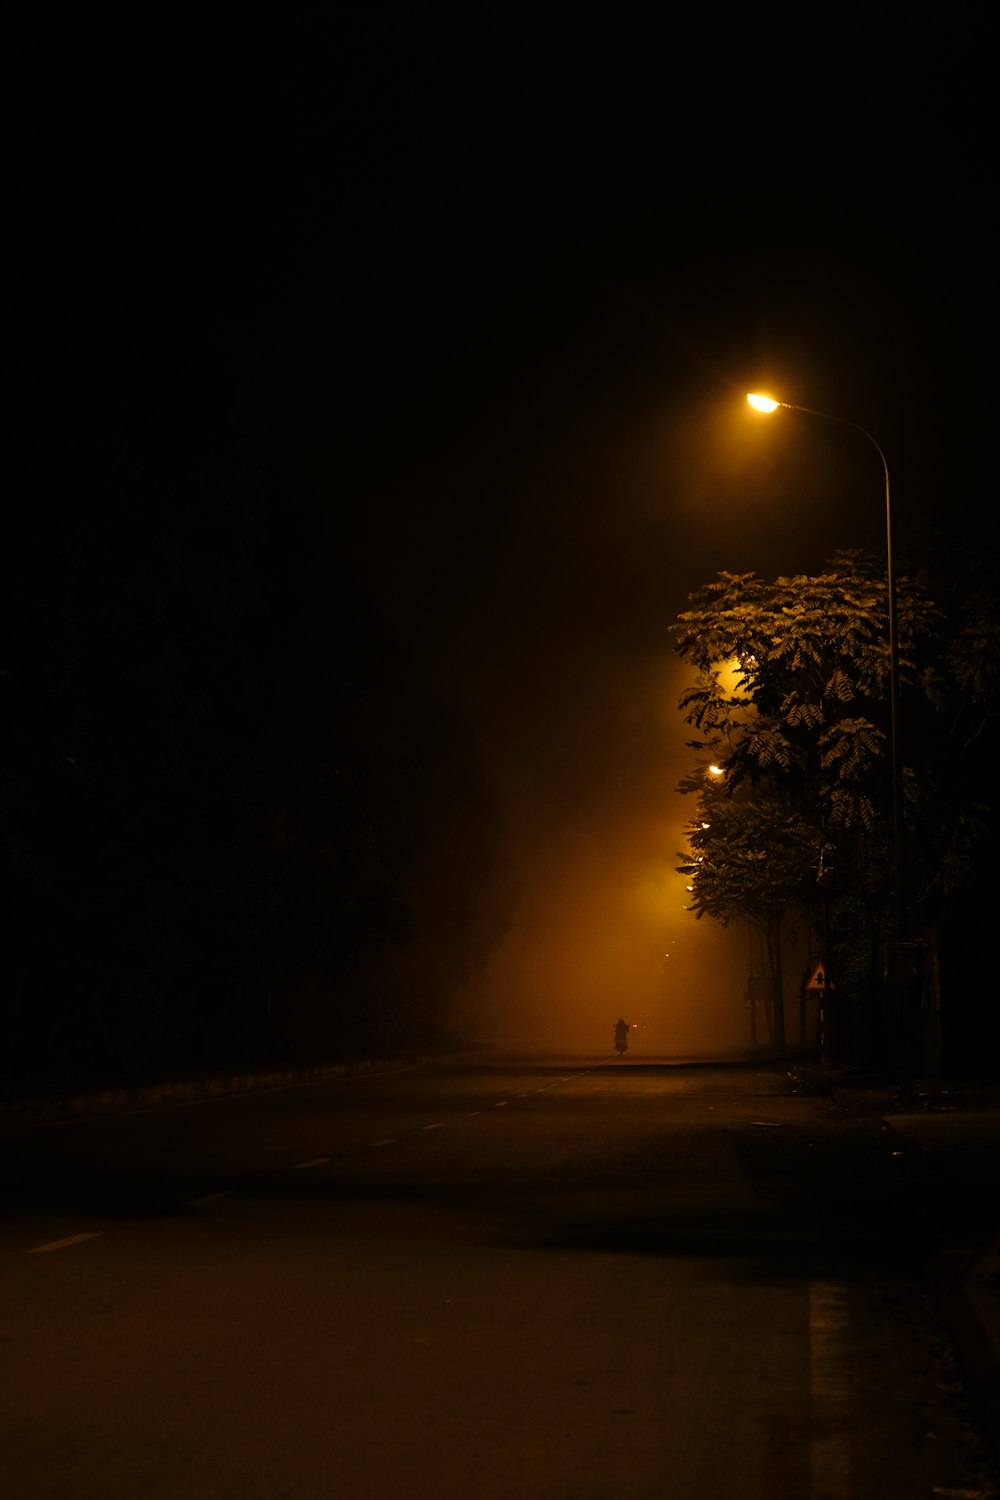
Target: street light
[765, 403]
[768, 404]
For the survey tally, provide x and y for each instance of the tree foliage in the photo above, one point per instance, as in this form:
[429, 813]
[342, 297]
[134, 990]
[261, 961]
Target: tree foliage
[791, 700]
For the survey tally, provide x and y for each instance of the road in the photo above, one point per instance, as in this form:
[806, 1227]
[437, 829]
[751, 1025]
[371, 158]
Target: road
[483, 1277]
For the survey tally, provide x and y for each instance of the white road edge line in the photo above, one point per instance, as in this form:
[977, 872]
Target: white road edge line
[317, 1161]
[210, 1197]
[387, 1142]
[438, 1126]
[831, 1381]
[72, 1239]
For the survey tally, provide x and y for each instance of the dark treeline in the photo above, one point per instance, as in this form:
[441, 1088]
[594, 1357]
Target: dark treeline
[238, 825]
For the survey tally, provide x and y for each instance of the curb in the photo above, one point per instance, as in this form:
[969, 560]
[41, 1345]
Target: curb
[184, 1091]
[971, 1308]
[968, 1299]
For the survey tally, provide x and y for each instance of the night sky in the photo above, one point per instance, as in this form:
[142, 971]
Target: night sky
[484, 296]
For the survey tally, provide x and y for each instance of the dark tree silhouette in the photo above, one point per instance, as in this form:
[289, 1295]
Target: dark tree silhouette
[790, 700]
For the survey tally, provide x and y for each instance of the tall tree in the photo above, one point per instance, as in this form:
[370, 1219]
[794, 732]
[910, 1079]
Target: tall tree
[751, 857]
[791, 700]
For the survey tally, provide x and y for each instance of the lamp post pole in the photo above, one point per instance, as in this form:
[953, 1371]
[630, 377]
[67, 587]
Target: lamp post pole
[769, 404]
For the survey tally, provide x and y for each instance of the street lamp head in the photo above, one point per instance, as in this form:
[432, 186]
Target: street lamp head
[763, 403]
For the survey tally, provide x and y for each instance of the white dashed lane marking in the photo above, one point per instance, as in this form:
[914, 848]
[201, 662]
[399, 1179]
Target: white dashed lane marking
[72, 1239]
[302, 1166]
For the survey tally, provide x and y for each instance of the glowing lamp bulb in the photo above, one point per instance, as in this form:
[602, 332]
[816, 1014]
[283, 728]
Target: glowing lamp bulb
[763, 403]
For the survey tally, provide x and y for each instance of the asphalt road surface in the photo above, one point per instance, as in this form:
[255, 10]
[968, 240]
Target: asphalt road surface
[492, 1276]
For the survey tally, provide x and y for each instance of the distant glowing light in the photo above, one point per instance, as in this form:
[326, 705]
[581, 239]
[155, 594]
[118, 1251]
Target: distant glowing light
[716, 771]
[763, 403]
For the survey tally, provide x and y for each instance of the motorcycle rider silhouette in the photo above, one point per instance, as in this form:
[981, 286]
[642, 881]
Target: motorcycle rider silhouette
[621, 1036]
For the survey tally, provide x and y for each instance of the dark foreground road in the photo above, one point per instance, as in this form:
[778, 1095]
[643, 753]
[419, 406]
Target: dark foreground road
[495, 1277]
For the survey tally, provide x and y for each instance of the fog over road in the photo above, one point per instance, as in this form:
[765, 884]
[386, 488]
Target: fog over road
[536, 1276]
